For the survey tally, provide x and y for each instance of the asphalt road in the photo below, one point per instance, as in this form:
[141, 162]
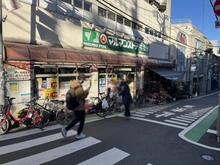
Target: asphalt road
[149, 137]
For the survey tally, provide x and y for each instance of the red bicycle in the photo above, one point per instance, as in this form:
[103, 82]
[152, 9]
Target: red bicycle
[32, 116]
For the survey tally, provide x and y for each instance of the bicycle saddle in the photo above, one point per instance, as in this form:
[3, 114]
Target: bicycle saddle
[94, 97]
[57, 101]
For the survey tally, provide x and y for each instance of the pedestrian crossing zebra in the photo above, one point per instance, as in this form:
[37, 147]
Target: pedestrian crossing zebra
[169, 117]
[63, 148]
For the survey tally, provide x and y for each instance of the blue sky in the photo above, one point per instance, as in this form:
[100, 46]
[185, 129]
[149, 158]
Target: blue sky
[202, 16]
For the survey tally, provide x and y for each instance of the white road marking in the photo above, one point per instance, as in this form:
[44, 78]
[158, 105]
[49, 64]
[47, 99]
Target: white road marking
[170, 121]
[55, 153]
[28, 132]
[212, 131]
[137, 115]
[150, 112]
[182, 133]
[189, 106]
[141, 113]
[190, 117]
[180, 120]
[32, 143]
[158, 122]
[109, 157]
[185, 118]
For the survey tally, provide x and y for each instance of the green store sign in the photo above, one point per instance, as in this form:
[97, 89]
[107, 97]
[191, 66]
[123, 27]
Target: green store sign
[104, 41]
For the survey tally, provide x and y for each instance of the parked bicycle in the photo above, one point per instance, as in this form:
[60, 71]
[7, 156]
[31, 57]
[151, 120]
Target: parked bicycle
[42, 110]
[54, 106]
[64, 116]
[96, 106]
[32, 117]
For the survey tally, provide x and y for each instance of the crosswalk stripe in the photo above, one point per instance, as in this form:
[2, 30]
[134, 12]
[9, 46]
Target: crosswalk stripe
[32, 143]
[109, 157]
[181, 120]
[190, 117]
[158, 122]
[137, 115]
[141, 113]
[55, 153]
[28, 132]
[170, 121]
[185, 118]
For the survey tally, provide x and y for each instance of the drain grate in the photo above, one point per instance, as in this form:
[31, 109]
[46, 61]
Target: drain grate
[207, 157]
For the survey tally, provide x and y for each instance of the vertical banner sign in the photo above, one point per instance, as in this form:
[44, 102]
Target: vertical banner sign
[104, 41]
[12, 4]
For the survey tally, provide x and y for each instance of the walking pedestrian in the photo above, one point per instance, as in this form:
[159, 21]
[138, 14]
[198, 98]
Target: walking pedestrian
[79, 112]
[124, 91]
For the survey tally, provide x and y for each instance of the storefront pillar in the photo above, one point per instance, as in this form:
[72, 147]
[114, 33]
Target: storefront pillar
[94, 79]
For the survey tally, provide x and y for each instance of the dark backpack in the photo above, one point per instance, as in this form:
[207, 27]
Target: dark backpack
[71, 100]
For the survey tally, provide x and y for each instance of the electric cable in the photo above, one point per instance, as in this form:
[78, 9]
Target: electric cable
[165, 36]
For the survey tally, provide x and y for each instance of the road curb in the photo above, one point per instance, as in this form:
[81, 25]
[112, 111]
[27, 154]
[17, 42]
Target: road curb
[187, 134]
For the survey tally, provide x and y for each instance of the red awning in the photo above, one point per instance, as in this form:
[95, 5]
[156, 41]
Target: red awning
[40, 53]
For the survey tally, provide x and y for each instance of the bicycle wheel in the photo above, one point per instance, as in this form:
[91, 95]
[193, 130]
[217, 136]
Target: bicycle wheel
[64, 117]
[37, 120]
[102, 112]
[5, 125]
[45, 116]
[119, 107]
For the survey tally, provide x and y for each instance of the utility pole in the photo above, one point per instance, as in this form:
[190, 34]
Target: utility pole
[2, 79]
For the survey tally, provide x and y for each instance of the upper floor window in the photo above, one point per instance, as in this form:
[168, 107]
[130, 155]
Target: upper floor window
[127, 22]
[67, 1]
[87, 6]
[111, 16]
[102, 12]
[133, 25]
[120, 19]
[78, 3]
[139, 27]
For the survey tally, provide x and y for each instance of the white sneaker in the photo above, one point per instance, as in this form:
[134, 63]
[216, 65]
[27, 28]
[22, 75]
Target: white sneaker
[64, 132]
[80, 136]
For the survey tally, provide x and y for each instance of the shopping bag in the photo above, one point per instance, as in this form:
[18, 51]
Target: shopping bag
[119, 99]
[105, 104]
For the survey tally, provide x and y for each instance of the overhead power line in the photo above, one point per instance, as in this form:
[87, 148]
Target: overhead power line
[165, 36]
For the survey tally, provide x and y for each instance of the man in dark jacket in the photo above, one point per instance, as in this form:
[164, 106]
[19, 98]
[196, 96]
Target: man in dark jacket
[126, 97]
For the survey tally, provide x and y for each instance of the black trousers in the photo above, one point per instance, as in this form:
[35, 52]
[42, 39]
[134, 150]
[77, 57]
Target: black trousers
[127, 110]
[79, 117]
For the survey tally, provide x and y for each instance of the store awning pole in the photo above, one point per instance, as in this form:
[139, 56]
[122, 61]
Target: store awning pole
[2, 80]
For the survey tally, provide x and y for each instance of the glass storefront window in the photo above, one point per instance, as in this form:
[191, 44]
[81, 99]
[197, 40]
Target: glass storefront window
[45, 70]
[47, 87]
[65, 70]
